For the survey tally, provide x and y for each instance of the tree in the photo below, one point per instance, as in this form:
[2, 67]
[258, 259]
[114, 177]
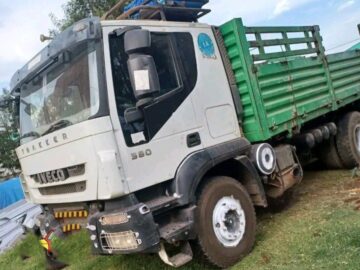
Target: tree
[76, 10]
[9, 140]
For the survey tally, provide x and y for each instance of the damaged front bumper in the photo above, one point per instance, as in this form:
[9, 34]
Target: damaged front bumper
[131, 230]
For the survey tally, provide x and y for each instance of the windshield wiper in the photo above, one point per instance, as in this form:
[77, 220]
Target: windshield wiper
[30, 134]
[58, 125]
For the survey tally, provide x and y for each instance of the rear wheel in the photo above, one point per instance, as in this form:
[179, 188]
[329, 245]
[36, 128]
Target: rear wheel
[348, 140]
[226, 222]
[329, 155]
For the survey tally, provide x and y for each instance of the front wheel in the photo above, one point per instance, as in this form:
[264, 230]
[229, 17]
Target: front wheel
[226, 222]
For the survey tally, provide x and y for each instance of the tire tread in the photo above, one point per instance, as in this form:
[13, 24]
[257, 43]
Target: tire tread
[201, 246]
[344, 144]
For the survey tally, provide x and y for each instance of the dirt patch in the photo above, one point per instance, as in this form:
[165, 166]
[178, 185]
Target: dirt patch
[352, 191]
[355, 185]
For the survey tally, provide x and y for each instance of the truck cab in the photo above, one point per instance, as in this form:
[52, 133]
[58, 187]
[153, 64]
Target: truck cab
[77, 108]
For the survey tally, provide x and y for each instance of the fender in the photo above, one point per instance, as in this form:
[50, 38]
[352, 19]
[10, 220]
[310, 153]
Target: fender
[250, 178]
[195, 166]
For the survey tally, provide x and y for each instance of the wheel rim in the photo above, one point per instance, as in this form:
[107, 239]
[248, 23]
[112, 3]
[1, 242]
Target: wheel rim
[229, 221]
[357, 138]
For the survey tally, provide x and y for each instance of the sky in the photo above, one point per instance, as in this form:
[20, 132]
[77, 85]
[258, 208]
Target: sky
[23, 21]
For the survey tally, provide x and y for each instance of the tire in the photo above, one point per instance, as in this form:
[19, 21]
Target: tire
[211, 201]
[348, 140]
[329, 156]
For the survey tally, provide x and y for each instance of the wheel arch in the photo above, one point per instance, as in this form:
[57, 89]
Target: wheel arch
[228, 159]
[242, 170]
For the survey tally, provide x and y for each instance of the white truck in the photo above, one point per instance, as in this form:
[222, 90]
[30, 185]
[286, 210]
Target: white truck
[134, 128]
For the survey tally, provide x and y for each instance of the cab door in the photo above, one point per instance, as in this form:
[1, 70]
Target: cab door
[152, 149]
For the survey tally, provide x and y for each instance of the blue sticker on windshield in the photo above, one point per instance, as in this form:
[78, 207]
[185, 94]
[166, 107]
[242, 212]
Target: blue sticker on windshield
[206, 46]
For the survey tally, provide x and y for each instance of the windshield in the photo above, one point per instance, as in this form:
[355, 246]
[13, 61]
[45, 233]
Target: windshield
[66, 95]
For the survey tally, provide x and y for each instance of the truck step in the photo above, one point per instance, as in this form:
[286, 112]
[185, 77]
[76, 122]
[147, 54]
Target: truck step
[172, 232]
[161, 203]
[183, 257]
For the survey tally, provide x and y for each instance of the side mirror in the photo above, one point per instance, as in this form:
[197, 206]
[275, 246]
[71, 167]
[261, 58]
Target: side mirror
[137, 41]
[143, 75]
[141, 66]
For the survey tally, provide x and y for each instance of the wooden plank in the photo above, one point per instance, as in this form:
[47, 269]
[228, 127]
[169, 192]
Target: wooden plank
[259, 40]
[276, 55]
[307, 36]
[276, 42]
[285, 37]
[278, 29]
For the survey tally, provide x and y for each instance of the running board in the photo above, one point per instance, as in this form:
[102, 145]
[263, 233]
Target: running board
[176, 231]
[183, 257]
[161, 203]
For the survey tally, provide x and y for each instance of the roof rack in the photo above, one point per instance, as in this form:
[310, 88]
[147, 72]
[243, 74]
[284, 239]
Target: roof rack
[158, 12]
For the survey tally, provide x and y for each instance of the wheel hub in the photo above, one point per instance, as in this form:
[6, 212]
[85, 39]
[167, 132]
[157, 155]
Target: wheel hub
[357, 138]
[229, 221]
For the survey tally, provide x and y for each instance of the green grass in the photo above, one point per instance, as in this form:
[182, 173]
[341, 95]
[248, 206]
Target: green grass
[319, 229]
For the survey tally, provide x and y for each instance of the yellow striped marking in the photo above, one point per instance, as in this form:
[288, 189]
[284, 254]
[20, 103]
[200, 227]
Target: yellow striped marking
[71, 214]
[71, 227]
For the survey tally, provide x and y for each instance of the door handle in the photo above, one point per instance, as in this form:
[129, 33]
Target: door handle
[193, 140]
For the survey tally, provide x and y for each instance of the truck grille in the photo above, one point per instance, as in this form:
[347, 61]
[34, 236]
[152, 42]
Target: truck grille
[59, 175]
[64, 189]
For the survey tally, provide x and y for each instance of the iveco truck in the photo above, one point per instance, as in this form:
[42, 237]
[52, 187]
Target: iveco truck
[155, 130]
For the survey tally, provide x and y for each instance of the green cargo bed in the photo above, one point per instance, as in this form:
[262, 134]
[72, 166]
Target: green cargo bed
[285, 79]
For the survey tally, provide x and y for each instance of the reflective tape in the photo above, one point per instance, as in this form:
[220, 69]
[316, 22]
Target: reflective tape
[71, 214]
[71, 227]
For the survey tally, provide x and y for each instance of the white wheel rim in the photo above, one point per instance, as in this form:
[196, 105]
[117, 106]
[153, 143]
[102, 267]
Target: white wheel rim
[357, 138]
[229, 221]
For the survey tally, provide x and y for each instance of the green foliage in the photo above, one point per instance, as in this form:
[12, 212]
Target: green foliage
[8, 133]
[75, 10]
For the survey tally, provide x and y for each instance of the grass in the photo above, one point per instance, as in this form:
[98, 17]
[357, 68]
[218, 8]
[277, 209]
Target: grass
[319, 229]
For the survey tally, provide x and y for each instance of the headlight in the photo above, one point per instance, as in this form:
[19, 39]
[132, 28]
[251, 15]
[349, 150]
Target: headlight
[264, 157]
[120, 241]
[114, 219]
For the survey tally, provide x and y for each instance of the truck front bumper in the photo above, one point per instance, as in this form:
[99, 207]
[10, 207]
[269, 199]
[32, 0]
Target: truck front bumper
[131, 230]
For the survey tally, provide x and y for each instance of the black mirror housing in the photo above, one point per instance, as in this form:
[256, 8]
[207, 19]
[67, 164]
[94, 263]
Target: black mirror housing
[141, 66]
[137, 41]
[143, 75]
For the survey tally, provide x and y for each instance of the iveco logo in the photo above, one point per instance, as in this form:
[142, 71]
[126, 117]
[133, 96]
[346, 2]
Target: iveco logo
[28, 149]
[51, 176]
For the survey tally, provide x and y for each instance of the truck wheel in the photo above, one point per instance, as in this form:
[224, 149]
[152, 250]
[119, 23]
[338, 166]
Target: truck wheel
[226, 222]
[348, 140]
[329, 155]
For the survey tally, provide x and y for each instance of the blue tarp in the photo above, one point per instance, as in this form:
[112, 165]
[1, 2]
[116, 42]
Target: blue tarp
[10, 192]
[180, 3]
